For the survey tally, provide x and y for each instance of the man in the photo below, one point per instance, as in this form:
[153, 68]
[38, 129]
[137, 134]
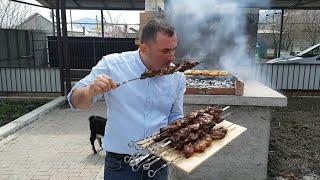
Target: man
[139, 108]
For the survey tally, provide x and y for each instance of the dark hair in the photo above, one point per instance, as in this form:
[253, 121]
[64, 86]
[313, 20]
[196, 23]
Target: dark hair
[154, 26]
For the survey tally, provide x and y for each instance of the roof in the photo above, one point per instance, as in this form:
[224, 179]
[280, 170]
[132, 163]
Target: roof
[33, 16]
[140, 4]
[37, 22]
[98, 4]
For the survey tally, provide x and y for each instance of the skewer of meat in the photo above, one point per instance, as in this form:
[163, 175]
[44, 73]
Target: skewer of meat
[204, 114]
[161, 72]
[169, 70]
[201, 144]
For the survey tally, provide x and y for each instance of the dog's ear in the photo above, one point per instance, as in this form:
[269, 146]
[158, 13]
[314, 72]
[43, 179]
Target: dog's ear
[90, 118]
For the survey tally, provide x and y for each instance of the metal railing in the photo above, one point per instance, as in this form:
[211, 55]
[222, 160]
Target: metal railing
[29, 80]
[289, 76]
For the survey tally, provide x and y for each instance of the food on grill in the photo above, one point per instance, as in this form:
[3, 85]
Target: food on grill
[192, 82]
[195, 132]
[211, 73]
[169, 70]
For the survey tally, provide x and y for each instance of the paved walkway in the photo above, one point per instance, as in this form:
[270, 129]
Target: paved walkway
[54, 147]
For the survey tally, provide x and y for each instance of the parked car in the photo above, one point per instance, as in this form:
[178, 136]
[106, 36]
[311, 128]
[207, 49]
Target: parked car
[308, 56]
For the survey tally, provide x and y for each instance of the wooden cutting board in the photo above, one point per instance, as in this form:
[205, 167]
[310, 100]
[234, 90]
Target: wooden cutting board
[189, 164]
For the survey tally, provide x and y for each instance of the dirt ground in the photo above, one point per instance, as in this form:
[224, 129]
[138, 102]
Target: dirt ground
[294, 151]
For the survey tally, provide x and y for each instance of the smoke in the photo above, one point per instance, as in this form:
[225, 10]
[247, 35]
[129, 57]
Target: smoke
[214, 32]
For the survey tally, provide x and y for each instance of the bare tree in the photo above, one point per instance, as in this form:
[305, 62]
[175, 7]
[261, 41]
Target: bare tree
[13, 14]
[273, 25]
[312, 26]
[289, 29]
[112, 28]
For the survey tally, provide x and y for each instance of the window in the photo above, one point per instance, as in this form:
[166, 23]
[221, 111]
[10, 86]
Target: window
[312, 53]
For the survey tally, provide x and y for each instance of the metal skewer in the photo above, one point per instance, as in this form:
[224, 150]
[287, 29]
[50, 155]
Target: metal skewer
[152, 150]
[225, 108]
[134, 160]
[126, 81]
[226, 115]
[134, 168]
[147, 165]
[152, 173]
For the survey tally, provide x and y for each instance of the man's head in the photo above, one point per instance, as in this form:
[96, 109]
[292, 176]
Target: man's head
[158, 43]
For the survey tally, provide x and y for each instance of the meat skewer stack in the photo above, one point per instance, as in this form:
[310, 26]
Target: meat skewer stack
[189, 135]
[195, 132]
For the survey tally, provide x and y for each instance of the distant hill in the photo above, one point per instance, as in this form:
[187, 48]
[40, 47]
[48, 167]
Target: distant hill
[88, 23]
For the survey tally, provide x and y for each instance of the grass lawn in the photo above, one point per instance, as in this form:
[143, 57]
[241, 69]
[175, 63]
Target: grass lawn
[11, 110]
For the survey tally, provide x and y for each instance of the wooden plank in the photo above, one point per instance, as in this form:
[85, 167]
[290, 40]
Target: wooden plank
[4, 86]
[189, 164]
[23, 79]
[269, 75]
[306, 77]
[296, 76]
[258, 69]
[274, 76]
[285, 77]
[13, 79]
[312, 77]
[264, 73]
[33, 80]
[58, 84]
[280, 74]
[8, 78]
[43, 84]
[317, 78]
[28, 80]
[290, 76]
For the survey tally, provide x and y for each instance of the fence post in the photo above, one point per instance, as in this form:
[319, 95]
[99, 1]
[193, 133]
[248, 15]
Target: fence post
[65, 41]
[61, 62]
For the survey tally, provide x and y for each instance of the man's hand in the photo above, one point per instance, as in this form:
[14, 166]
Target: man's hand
[101, 85]
[82, 97]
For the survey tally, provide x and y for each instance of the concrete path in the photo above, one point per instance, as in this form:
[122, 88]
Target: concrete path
[56, 146]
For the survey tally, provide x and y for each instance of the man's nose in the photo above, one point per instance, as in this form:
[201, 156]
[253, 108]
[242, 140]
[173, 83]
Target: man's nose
[171, 57]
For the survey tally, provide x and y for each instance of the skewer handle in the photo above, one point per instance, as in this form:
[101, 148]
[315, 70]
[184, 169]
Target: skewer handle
[135, 168]
[152, 173]
[147, 165]
[127, 159]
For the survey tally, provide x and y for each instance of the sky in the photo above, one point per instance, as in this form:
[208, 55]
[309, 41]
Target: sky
[130, 17]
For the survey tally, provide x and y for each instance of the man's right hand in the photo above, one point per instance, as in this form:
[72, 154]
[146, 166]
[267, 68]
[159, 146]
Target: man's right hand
[82, 97]
[101, 85]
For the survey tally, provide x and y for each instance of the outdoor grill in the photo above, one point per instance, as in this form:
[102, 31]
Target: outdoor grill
[218, 85]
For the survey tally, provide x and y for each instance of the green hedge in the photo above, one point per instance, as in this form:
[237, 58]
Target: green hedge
[10, 110]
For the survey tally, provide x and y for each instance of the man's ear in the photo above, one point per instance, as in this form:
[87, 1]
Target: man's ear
[143, 48]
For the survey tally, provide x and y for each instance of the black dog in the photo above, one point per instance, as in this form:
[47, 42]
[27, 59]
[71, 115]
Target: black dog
[97, 126]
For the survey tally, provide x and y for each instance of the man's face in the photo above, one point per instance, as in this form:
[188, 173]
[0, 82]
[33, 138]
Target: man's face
[161, 52]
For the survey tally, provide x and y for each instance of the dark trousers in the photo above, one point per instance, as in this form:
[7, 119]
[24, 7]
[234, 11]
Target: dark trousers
[116, 169]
